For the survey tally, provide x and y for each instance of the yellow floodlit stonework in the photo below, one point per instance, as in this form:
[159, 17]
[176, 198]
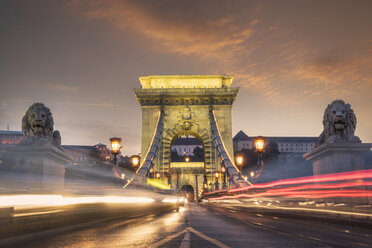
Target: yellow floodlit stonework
[186, 81]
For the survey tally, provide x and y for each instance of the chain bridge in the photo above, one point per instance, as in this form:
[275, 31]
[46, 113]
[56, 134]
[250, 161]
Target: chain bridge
[198, 106]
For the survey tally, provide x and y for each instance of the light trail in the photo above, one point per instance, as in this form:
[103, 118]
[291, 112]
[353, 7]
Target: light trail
[303, 194]
[322, 186]
[362, 174]
[59, 200]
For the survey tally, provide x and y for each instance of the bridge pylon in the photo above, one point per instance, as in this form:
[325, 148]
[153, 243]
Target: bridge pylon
[197, 105]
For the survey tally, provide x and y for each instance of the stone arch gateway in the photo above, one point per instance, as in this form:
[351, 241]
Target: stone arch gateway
[195, 105]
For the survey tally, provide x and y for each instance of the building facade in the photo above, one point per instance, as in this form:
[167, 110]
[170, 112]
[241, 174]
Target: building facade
[10, 137]
[285, 144]
[185, 146]
[81, 154]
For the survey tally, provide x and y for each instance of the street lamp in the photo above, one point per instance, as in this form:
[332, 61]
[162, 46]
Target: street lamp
[239, 159]
[259, 144]
[251, 174]
[187, 159]
[115, 147]
[157, 175]
[223, 170]
[216, 185]
[135, 160]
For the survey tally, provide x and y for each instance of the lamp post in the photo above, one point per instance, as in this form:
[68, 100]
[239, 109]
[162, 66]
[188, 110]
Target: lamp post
[216, 185]
[223, 170]
[157, 175]
[115, 147]
[259, 144]
[135, 160]
[187, 159]
[239, 160]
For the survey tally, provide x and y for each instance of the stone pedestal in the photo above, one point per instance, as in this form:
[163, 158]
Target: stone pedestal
[38, 167]
[337, 157]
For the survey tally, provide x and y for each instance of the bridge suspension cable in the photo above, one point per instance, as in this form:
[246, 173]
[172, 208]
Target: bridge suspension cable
[223, 154]
[148, 160]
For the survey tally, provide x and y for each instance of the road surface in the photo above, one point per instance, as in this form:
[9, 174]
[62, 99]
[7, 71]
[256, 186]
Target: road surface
[197, 226]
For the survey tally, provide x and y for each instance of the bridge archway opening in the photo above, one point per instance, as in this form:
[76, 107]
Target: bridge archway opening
[187, 148]
[189, 192]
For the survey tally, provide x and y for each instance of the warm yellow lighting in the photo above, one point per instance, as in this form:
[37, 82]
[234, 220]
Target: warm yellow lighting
[239, 160]
[135, 160]
[187, 159]
[157, 175]
[122, 176]
[223, 169]
[22, 201]
[189, 81]
[259, 144]
[115, 145]
[217, 174]
[158, 183]
[171, 200]
[251, 174]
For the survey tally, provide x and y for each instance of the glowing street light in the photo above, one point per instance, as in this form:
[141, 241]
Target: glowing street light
[135, 160]
[251, 174]
[216, 184]
[115, 147]
[157, 175]
[259, 143]
[223, 170]
[187, 159]
[239, 159]
[122, 176]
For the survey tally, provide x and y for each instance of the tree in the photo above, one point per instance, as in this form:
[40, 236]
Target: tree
[175, 157]
[94, 154]
[198, 154]
[271, 150]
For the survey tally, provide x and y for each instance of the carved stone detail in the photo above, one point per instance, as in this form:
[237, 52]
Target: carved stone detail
[339, 123]
[37, 126]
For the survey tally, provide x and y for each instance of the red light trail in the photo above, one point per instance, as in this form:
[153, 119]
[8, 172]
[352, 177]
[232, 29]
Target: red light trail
[310, 188]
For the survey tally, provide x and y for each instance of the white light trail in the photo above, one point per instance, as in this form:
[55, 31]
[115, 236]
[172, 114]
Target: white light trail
[59, 200]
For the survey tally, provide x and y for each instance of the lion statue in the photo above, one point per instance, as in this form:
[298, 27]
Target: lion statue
[37, 126]
[339, 123]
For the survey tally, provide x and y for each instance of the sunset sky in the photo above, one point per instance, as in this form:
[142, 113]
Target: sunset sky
[83, 58]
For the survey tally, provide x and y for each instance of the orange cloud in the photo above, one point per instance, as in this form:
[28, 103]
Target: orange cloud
[209, 34]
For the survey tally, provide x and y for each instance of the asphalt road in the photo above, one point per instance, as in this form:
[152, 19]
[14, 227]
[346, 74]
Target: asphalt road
[196, 226]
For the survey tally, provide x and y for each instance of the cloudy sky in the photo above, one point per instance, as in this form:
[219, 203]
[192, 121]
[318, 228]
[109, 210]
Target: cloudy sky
[82, 58]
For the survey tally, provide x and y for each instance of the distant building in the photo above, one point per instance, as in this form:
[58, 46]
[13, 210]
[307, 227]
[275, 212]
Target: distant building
[81, 154]
[10, 137]
[186, 146]
[104, 152]
[285, 144]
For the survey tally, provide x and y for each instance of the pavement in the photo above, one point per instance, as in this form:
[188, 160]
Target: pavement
[200, 225]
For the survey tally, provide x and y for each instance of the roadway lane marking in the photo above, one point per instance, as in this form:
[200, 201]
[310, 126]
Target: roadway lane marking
[186, 241]
[162, 242]
[203, 236]
[36, 213]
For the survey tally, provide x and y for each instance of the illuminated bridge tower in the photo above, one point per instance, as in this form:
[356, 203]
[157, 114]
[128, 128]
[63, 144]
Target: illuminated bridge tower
[174, 106]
